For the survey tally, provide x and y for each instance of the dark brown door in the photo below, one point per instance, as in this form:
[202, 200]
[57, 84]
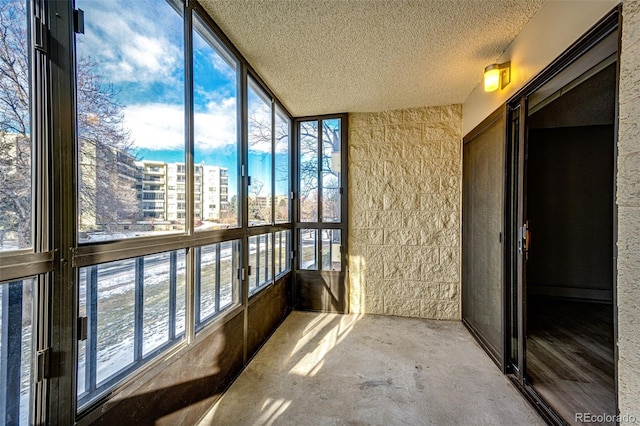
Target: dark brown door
[482, 233]
[321, 214]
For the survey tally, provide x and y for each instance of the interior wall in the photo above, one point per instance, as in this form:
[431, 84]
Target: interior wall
[569, 188]
[570, 192]
[628, 201]
[551, 31]
[404, 212]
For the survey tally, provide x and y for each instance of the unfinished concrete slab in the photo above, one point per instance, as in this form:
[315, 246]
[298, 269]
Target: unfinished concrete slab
[329, 369]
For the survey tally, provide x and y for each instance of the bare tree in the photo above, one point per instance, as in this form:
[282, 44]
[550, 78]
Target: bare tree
[259, 210]
[15, 146]
[260, 134]
[308, 164]
[107, 170]
[107, 189]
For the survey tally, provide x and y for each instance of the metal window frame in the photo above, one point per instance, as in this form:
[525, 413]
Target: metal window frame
[57, 256]
[236, 248]
[93, 390]
[255, 270]
[319, 224]
[253, 86]
[37, 261]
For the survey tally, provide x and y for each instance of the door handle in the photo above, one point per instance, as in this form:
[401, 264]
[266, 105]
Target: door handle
[524, 237]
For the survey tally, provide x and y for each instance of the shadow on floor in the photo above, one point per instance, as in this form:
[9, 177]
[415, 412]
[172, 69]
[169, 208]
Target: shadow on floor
[370, 370]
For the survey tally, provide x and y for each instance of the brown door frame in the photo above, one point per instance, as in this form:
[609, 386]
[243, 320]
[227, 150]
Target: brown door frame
[515, 259]
[318, 290]
[500, 354]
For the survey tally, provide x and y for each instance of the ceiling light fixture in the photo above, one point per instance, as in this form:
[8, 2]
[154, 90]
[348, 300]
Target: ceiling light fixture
[497, 76]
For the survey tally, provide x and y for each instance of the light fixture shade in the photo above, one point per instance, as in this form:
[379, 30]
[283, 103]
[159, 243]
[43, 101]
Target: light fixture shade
[491, 77]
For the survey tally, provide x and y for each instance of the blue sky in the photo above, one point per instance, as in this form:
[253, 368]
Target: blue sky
[140, 53]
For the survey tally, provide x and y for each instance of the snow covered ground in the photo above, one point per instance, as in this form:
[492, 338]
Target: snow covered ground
[116, 307]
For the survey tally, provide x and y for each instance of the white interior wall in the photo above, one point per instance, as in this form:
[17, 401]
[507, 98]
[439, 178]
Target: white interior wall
[556, 26]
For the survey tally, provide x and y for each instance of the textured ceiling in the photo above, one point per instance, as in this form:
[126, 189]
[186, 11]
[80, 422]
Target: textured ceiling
[328, 56]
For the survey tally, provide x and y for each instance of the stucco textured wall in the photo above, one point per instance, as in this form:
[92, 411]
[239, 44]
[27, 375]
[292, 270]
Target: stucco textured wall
[628, 200]
[404, 212]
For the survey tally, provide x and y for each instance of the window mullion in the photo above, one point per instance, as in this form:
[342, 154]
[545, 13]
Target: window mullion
[197, 278]
[173, 282]
[217, 278]
[138, 309]
[192, 311]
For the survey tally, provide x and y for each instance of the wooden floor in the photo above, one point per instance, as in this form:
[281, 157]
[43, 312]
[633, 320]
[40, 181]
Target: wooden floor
[570, 356]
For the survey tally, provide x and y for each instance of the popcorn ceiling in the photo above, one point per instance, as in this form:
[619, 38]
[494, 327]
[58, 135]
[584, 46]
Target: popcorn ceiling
[328, 56]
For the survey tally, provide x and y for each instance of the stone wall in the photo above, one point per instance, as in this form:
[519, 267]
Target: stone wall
[628, 200]
[404, 212]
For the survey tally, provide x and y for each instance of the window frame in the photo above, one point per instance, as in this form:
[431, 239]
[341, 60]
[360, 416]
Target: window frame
[56, 256]
[140, 357]
[36, 261]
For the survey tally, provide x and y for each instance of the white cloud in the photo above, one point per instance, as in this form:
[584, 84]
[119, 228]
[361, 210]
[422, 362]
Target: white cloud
[132, 47]
[217, 125]
[156, 126]
[145, 58]
[161, 126]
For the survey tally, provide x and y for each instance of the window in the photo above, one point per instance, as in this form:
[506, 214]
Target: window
[308, 171]
[282, 174]
[260, 155]
[260, 262]
[132, 308]
[215, 81]
[320, 175]
[331, 164]
[15, 130]
[216, 279]
[130, 106]
[282, 244]
[331, 250]
[16, 334]
[309, 249]
[133, 252]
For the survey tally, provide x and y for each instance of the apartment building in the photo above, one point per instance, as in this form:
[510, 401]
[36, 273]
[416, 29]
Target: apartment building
[163, 188]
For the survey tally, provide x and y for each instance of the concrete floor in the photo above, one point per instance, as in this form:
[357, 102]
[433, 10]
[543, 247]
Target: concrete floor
[327, 369]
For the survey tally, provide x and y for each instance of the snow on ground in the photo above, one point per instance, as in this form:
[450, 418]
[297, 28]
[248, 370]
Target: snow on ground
[116, 299]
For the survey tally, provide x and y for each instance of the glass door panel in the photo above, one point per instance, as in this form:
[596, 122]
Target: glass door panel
[308, 170]
[321, 226]
[331, 169]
